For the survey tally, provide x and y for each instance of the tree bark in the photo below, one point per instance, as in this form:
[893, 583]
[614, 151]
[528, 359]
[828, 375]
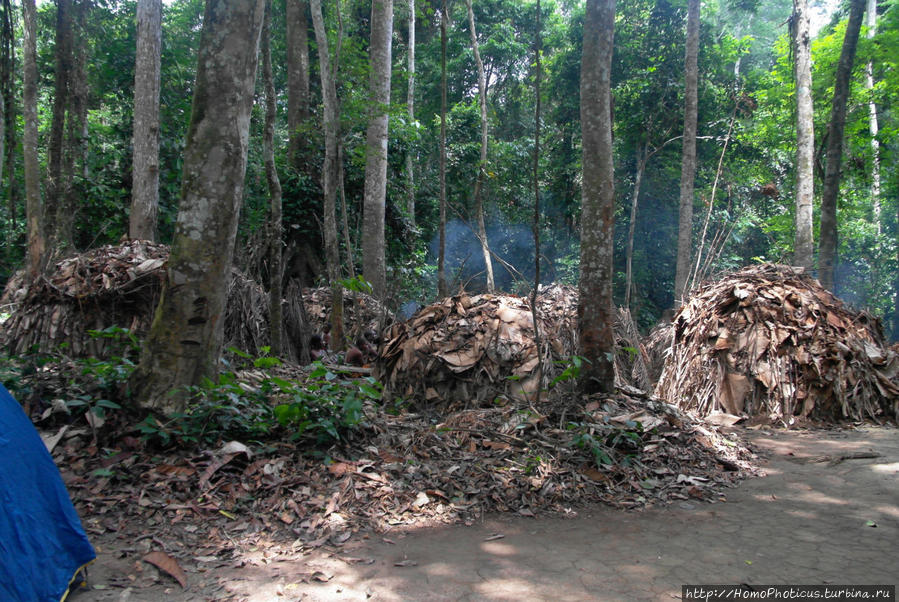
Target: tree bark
[329, 175]
[442, 289]
[827, 250]
[538, 48]
[344, 217]
[56, 189]
[595, 309]
[5, 74]
[805, 135]
[34, 209]
[9, 112]
[482, 164]
[688, 158]
[185, 340]
[297, 79]
[275, 271]
[76, 119]
[145, 170]
[374, 267]
[873, 126]
[410, 111]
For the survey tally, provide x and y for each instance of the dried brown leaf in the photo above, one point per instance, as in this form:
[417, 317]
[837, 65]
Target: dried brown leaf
[168, 564]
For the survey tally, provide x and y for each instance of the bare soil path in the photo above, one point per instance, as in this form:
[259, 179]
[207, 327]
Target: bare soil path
[825, 512]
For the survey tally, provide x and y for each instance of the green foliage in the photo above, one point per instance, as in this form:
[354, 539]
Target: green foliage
[319, 410]
[571, 372]
[609, 444]
[225, 409]
[91, 386]
[357, 284]
[745, 62]
[327, 405]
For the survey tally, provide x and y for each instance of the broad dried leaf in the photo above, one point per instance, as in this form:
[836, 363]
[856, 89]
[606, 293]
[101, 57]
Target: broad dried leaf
[168, 564]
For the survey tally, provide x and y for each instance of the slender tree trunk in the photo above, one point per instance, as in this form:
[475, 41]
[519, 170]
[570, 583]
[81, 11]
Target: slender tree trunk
[482, 164]
[76, 121]
[538, 48]
[873, 126]
[442, 289]
[696, 274]
[374, 267]
[827, 251]
[688, 158]
[805, 135]
[596, 315]
[185, 340]
[74, 152]
[410, 110]
[631, 229]
[297, 78]
[145, 171]
[329, 175]
[56, 189]
[5, 75]
[275, 271]
[344, 217]
[9, 112]
[34, 209]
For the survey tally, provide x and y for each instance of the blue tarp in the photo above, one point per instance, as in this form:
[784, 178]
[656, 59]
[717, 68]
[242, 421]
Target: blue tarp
[42, 543]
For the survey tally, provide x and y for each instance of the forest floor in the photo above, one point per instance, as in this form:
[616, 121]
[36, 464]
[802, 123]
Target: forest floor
[824, 510]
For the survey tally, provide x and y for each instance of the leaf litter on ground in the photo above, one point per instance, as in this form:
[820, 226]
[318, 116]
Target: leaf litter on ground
[240, 503]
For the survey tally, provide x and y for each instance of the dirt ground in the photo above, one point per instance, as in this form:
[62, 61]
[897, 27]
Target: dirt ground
[817, 516]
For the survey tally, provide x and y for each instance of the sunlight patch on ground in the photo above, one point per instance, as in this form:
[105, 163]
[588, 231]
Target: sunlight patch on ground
[498, 549]
[886, 468]
[816, 497]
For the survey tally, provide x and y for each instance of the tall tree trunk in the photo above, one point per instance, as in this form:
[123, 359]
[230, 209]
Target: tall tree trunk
[805, 135]
[275, 271]
[873, 126]
[5, 75]
[185, 340]
[827, 251]
[297, 79]
[482, 163]
[596, 316]
[374, 267]
[9, 109]
[329, 175]
[56, 181]
[538, 48]
[688, 158]
[632, 225]
[442, 288]
[410, 111]
[145, 171]
[75, 148]
[76, 119]
[344, 217]
[34, 209]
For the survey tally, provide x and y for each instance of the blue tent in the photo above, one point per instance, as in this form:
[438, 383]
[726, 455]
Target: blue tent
[42, 544]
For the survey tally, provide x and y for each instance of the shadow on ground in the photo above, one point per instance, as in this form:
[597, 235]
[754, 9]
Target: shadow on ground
[818, 516]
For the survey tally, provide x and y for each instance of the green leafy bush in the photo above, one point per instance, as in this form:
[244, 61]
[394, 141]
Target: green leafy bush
[320, 409]
[327, 404]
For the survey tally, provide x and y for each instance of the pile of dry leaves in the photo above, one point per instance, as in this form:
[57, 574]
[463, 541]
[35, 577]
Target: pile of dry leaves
[361, 312]
[111, 286]
[475, 349]
[770, 341]
[119, 285]
[399, 469]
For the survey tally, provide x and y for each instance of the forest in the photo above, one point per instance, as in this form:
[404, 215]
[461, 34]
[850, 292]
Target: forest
[745, 177]
[311, 269]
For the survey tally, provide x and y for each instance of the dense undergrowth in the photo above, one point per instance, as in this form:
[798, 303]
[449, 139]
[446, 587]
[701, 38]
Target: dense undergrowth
[252, 399]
